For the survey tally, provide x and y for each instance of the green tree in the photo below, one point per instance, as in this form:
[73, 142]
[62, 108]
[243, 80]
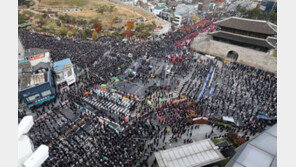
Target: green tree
[58, 22]
[69, 33]
[82, 33]
[95, 35]
[273, 17]
[112, 9]
[62, 31]
[52, 27]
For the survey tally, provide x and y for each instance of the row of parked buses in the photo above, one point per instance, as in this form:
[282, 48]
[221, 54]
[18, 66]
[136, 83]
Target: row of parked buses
[39, 76]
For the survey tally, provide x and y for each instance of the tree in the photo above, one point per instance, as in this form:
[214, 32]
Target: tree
[238, 8]
[58, 22]
[111, 22]
[82, 33]
[128, 33]
[112, 9]
[272, 17]
[232, 136]
[130, 25]
[62, 31]
[95, 35]
[51, 27]
[195, 19]
[69, 33]
[97, 26]
[88, 32]
[240, 141]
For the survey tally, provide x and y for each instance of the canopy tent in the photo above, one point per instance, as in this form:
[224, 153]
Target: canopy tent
[228, 119]
[260, 151]
[200, 153]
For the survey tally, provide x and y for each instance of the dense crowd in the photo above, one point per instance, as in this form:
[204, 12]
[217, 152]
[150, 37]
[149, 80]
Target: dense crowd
[211, 89]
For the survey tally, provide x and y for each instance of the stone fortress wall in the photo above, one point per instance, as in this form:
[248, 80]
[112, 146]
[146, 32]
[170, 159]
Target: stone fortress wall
[204, 43]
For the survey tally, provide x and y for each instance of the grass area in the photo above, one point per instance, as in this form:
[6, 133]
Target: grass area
[216, 141]
[27, 12]
[224, 124]
[78, 3]
[125, 12]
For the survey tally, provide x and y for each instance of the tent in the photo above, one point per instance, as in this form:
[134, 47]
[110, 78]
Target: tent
[228, 119]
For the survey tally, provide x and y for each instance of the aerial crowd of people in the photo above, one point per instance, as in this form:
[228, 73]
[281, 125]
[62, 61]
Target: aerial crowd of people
[205, 87]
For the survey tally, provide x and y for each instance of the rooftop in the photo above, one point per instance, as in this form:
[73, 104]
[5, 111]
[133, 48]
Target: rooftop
[243, 39]
[33, 79]
[62, 64]
[195, 154]
[34, 51]
[251, 25]
[260, 151]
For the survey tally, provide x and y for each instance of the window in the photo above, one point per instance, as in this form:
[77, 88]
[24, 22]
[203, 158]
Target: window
[32, 98]
[46, 93]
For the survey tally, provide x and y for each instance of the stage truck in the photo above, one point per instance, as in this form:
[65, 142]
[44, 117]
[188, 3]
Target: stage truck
[64, 74]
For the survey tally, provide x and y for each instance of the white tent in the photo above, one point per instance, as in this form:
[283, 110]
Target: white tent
[198, 153]
[38, 157]
[228, 119]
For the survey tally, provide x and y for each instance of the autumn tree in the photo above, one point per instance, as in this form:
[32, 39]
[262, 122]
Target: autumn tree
[97, 26]
[232, 136]
[128, 33]
[130, 25]
[240, 141]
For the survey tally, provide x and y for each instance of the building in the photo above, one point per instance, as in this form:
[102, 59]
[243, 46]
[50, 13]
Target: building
[269, 5]
[36, 84]
[200, 153]
[64, 72]
[260, 151]
[183, 12]
[246, 41]
[36, 55]
[159, 8]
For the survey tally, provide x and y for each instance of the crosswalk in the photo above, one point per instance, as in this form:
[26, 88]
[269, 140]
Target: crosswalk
[108, 105]
[183, 81]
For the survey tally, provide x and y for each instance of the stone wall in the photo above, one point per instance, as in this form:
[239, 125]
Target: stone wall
[263, 60]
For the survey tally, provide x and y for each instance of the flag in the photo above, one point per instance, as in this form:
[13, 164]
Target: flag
[105, 158]
[160, 99]
[160, 118]
[125, 119]
[95, 140]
